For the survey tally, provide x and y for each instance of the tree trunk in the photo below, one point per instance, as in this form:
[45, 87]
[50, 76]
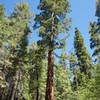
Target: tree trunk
[37, 88]
[2, 94]
[9, 92]
[50, 83]
[15, 86]
[37, 95]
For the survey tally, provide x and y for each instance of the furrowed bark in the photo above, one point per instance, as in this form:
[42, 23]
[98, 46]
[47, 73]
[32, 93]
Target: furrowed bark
[50, 83]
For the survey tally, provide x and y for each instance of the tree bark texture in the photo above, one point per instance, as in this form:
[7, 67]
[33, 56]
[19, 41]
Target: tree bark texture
[50, 82]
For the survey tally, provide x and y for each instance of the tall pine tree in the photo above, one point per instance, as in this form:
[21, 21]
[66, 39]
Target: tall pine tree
[84, 60]
[18, 44]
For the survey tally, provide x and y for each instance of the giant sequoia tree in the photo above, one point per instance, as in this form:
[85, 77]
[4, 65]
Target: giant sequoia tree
[50, 21]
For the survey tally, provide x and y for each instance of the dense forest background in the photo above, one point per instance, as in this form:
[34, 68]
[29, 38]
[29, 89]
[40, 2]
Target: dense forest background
[42, 69]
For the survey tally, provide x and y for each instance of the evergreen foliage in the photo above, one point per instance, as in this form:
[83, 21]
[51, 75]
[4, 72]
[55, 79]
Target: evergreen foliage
[84, 60]
[35, 71]
[50, 23]
[95, 34]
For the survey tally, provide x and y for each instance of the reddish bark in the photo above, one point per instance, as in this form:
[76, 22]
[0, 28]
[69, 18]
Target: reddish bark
[50, 81]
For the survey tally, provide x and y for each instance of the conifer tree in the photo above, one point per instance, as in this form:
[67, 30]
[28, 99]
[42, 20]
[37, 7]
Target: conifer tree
[63, 86]
[5, 64]
[96, 85]
[73, 68]
[97, 78]
[98, 8]
[50, 22]
[37, 73]
[3, 83]
[95, 44]
[84, 60]
[95, 34]
[19, 24]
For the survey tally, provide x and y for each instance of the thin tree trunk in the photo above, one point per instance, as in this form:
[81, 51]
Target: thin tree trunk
[37, 89]
[9, 91]
[37, 95]
[2, 94]
[50, 83]
[15, 85]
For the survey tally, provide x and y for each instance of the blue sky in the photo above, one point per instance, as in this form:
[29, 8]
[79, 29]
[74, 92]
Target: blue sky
[83, 11]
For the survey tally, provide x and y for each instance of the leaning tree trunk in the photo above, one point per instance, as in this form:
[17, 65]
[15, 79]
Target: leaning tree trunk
[50, 82]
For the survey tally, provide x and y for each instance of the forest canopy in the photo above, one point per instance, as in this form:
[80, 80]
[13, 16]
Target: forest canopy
[36, 70]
